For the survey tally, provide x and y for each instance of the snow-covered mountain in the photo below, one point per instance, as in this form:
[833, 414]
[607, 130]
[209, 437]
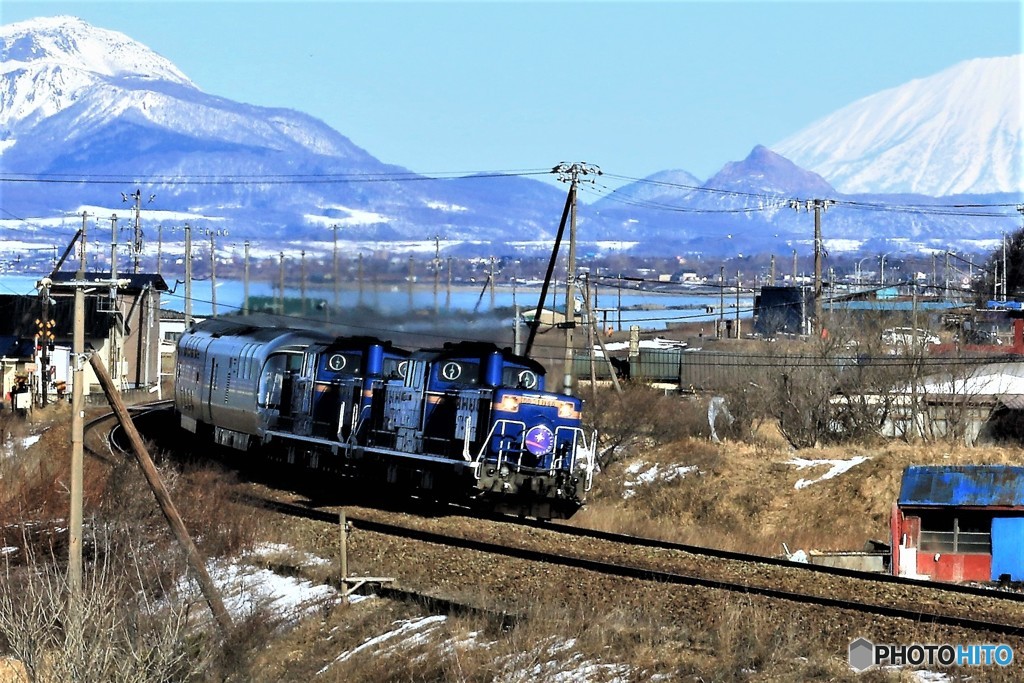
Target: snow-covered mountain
[956, 132]
[105, 115]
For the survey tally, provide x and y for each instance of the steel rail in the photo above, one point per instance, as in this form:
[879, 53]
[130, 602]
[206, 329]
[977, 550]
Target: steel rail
[643, 574]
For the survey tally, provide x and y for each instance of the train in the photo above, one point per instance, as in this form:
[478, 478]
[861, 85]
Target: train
[468, 423]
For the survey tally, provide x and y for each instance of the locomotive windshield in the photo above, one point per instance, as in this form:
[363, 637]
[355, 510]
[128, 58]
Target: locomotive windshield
[458, 373]
[339, 363]
[519, 377]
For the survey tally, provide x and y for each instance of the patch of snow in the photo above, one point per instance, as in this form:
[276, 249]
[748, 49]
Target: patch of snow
[836, 467]
[416, 629]
[642, 474]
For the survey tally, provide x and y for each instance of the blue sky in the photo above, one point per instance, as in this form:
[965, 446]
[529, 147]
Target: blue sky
[635, 87]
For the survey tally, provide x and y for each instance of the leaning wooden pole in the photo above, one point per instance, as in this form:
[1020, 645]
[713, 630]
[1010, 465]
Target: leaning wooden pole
[163, 498]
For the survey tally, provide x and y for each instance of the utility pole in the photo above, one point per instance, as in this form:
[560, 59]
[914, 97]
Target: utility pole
[115, 346]
[245, 282]
[771, 278]
[448, 290]
[137, 238]
[334, 266]
[359, 276]
[437, 269]
[213, 267]
[794, 268]
[411, 278]
[720, 332]
[818, 205]
[738, 335]
[188, 276]
[490, 280]
[280, 283]
[571, 173]
[159, 246]
[77, 427]
[213, 272]
[302, 282]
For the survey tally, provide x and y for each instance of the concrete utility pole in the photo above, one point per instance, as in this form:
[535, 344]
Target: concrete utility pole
[77, 427]
[737, 336]
[359, 277]
[818, 205]
[302, 282]
[720, 332]
[448, 290]
[137, 237]
[213, 266]
[571, 173]
[771, 277]
[334, 271]
[245, 282]
[490, 280]
[159, 246]
[188, 276]
[280, 283]
[437, 269]
[114, 357]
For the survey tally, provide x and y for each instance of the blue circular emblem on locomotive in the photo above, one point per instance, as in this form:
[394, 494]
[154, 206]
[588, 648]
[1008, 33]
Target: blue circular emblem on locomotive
[539, 440]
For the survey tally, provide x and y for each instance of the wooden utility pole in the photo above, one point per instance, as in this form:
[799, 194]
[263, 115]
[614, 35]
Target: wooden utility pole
[571, 173]
[163, 497]
[818, 206]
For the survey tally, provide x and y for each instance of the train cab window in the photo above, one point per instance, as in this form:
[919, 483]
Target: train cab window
[519, 377]
[395, 368]
[463, 373]
[339, 363]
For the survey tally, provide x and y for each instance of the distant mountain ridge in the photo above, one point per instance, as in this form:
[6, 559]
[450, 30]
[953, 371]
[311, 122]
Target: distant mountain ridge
[85, 104]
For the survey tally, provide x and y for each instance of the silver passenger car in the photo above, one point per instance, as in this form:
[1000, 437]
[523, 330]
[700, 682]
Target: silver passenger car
[244, 385]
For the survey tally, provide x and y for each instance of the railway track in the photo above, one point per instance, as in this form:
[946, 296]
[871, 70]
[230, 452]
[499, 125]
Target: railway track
[611, 554]
[962, 620]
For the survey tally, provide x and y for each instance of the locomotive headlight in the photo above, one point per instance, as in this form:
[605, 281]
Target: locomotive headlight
[508, 404]
[504, 472]
[566, 409]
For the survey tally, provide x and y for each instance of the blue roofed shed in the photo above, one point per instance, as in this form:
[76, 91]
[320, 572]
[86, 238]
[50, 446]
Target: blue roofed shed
[963, 486]
[960, 523]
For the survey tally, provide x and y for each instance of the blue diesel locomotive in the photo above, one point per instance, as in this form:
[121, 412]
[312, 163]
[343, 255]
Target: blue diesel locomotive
[469, 423]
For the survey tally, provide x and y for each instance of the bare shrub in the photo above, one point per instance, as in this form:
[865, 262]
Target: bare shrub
[116, 630]
[642, 416]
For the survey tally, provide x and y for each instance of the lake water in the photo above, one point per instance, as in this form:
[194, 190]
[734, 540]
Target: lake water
[649, 310]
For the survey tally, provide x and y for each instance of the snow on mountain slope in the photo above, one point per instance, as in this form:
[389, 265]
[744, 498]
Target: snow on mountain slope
[46, 65]
[960, 131]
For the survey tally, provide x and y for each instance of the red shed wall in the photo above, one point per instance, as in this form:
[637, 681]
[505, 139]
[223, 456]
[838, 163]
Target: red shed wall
[950, 567]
